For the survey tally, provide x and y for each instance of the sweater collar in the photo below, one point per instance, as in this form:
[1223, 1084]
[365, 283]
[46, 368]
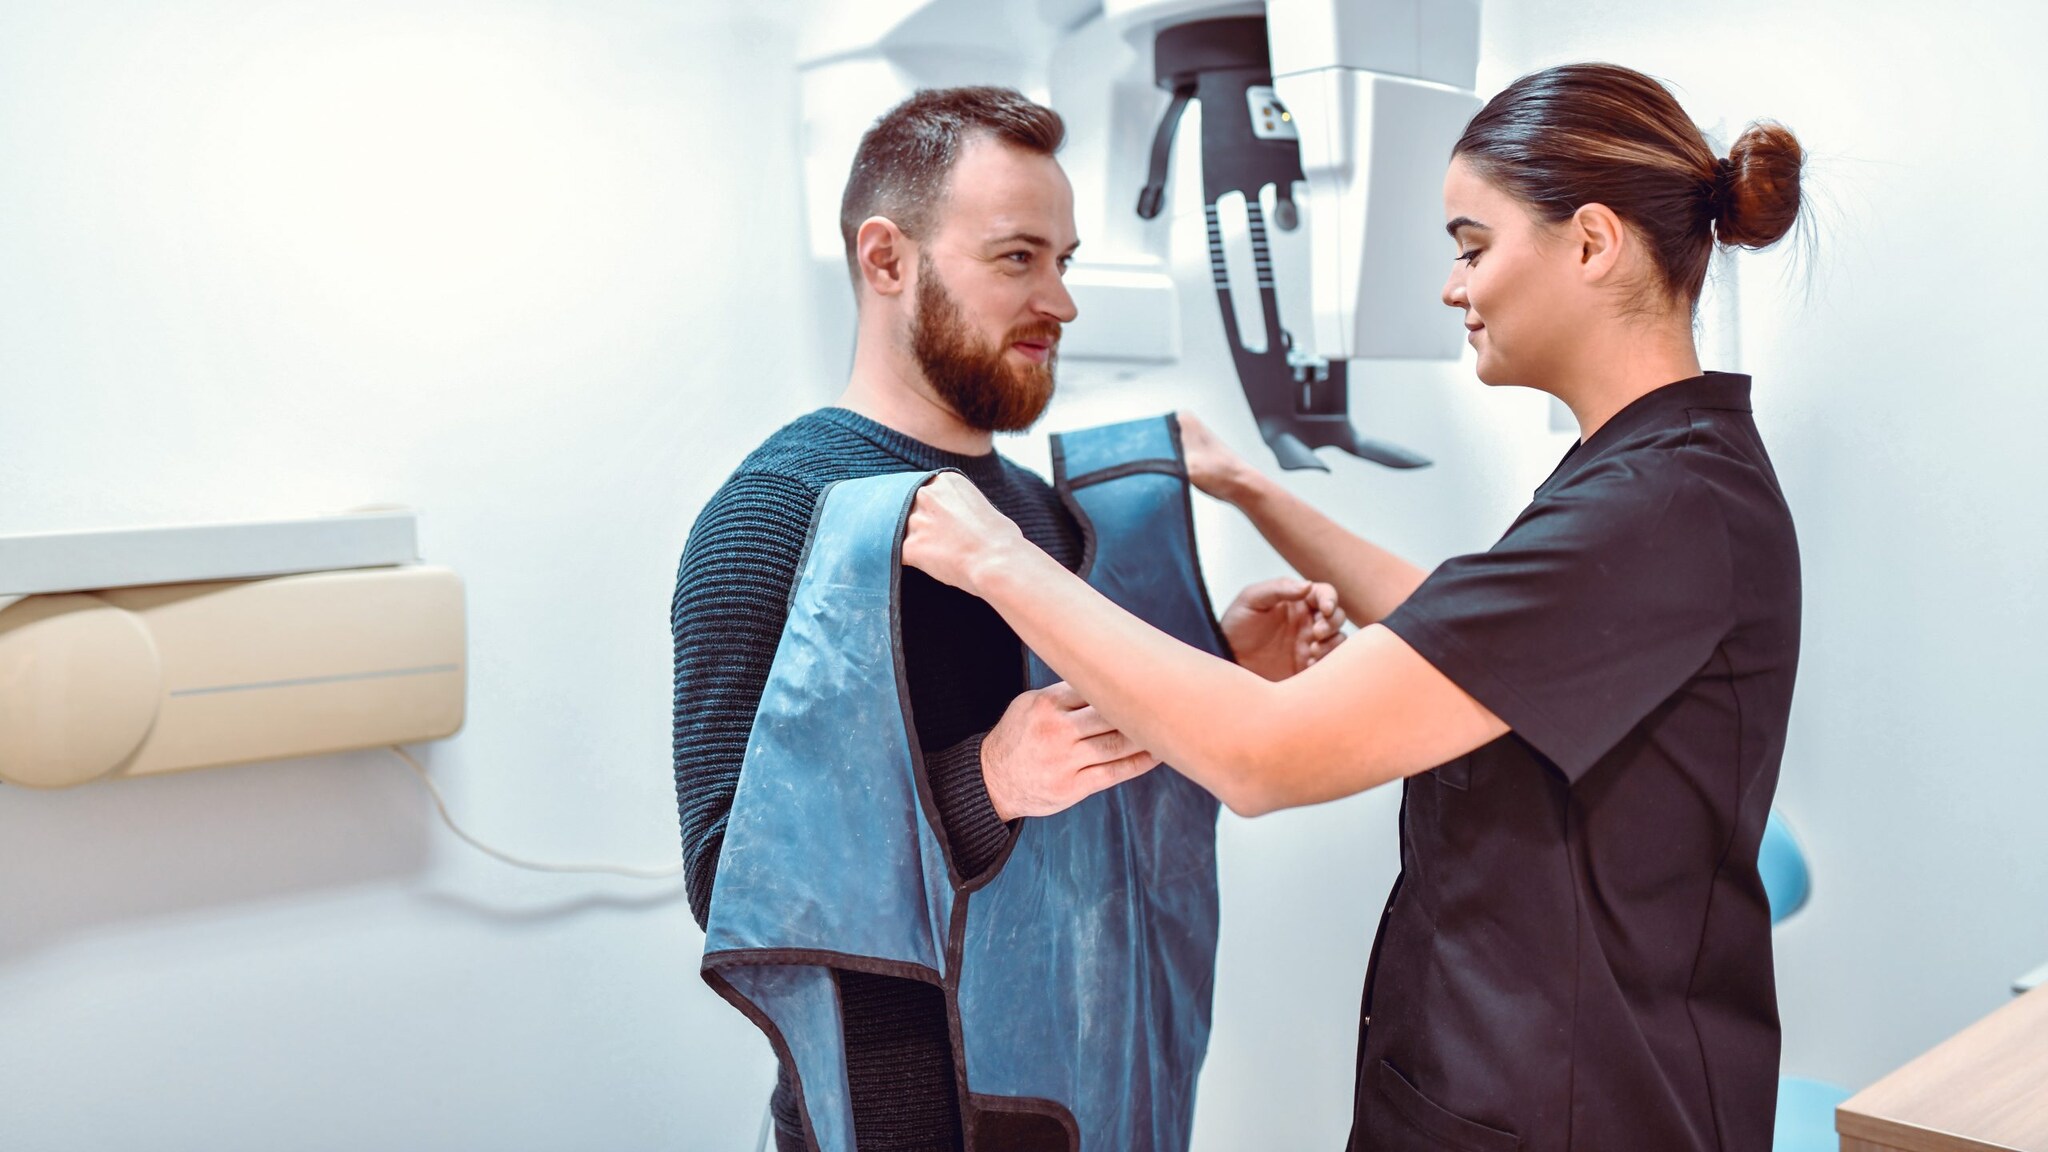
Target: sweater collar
[981, 468]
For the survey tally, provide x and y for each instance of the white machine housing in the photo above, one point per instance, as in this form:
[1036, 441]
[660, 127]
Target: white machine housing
[1379, 89]
[211, 669]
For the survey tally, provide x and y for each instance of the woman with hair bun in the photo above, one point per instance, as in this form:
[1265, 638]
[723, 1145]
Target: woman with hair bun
[1587, 718]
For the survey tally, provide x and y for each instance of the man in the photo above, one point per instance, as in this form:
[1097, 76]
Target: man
[958, 225]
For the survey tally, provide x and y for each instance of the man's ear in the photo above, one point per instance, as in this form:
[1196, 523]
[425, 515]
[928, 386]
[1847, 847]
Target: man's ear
[1600, 236]
[885, 256]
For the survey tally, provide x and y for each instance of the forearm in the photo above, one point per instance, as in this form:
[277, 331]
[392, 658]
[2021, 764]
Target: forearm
[1371, 712]
[1370, 581]
[1212, 720]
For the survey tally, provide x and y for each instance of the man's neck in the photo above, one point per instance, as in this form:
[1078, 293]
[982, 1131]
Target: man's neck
[891, 391]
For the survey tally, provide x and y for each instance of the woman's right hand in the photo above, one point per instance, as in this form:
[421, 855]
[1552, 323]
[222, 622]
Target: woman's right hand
[953, 530]
[1212, 466]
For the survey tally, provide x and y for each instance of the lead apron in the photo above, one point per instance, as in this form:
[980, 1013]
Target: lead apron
[1078, 977]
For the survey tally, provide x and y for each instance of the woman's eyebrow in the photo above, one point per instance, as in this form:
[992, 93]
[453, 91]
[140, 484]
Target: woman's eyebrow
[1465, 222]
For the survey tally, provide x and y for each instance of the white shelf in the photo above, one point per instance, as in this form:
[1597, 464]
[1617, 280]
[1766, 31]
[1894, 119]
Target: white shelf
[182, 553]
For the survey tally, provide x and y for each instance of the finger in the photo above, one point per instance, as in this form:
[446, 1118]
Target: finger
[955, 493]
[1020, 702]
[1063, 695]
[1324, 598]
[1087, 722]
[935, 490]
[1330, 623]
[1090, 780]
[1306, 625]
[1267, 595]
[1106, 747]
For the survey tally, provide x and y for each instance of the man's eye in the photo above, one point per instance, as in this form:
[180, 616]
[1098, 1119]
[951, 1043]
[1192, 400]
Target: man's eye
[1066, 262]
[1019, 257]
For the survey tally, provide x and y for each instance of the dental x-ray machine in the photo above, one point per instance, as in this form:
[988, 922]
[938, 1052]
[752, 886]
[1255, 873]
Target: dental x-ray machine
[1340, 113]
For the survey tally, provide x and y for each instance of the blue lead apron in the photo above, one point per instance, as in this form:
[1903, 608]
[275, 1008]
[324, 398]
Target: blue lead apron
[1077, 975]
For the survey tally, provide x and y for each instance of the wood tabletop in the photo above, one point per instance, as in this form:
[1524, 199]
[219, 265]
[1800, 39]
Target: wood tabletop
[1984, 1089]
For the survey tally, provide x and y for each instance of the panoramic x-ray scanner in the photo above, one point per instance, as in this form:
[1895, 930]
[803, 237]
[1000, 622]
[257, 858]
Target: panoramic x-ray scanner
[1332, 119]
[131, 652]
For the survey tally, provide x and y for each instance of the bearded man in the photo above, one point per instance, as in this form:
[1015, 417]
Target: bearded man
[958, 224]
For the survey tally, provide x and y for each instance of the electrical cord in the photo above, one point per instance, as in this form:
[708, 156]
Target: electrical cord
[441, 805]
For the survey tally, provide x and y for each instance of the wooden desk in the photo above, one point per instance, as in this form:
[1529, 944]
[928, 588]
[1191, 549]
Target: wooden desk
[1984, 1089]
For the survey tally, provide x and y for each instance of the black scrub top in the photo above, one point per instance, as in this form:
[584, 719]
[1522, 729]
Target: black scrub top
[1578, 954]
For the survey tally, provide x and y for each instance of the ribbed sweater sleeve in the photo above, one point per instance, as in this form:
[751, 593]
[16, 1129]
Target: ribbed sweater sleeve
[731, 599]
[726, 619]
[975, 835]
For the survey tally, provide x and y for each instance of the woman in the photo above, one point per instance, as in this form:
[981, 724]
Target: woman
[1588, 718]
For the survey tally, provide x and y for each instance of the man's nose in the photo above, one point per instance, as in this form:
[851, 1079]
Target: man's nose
[1055, 301]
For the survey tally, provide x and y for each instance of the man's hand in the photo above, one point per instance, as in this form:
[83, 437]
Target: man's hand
[1052, 750]
[1279, 627]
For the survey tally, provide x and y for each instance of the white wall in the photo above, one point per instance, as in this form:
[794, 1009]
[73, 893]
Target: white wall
[537, 270]
[525, 267]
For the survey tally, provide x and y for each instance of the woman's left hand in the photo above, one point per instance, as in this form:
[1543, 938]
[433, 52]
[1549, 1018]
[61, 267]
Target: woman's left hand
[1277, 628]
[954, 530]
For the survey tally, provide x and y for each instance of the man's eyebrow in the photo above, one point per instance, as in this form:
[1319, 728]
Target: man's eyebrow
[1031, 238]
[1465, 222]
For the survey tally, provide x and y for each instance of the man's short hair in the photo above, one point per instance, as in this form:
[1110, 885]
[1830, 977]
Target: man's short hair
[902, 164]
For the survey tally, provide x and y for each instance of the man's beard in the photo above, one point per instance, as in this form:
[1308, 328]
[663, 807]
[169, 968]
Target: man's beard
[985, 390]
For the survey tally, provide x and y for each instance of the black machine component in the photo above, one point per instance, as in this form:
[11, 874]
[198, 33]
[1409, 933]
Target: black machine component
[1300, 404]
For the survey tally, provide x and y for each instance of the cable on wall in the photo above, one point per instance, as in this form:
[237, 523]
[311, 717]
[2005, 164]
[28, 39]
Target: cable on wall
[441, 805]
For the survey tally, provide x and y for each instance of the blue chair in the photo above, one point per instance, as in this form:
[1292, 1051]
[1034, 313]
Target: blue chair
[1806, 1108]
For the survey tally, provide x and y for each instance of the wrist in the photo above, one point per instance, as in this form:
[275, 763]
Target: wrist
[1244, 486]
[996, 800]
[994, 567]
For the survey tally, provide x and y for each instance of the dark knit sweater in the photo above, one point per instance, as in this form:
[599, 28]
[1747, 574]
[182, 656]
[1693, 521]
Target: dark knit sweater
[963, 665]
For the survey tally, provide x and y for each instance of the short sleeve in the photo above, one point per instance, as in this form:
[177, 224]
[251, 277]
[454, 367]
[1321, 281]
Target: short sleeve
[1602, 600]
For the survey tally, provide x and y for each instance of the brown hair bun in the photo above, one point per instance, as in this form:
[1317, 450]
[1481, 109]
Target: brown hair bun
[1759, 198]
[1582, 134]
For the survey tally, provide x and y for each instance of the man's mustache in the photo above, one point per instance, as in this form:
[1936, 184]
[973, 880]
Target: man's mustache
[1046, 333]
